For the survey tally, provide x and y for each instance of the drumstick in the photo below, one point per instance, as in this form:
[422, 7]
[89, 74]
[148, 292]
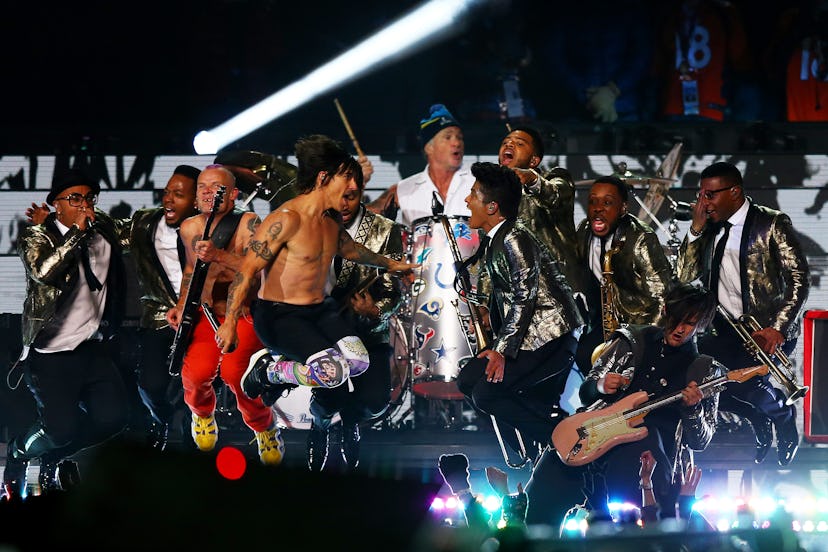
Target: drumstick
[348, 128]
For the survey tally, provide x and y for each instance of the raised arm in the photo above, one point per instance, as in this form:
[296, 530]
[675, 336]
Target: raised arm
[358, 253]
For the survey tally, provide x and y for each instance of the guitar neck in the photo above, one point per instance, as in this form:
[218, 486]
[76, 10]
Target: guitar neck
[671, 398]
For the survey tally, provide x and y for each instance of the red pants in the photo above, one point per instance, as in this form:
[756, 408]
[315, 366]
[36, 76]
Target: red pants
[201, 366]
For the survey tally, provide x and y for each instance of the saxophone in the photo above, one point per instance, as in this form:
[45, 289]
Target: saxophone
[609, 312]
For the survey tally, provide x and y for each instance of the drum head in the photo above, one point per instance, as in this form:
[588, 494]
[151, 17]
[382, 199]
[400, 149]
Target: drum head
[438, 334]
[293, 411]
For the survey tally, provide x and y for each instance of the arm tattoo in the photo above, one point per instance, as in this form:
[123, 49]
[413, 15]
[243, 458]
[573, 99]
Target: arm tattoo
[274, 230]
[253, 223]
[367, 257]
[231, 295]
[261, 249]
[196, 238]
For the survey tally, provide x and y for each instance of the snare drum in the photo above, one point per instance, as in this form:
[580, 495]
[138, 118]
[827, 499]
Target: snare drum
[293, 411]
[440, 337]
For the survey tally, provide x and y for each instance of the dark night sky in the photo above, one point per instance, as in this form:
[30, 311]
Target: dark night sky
[174, 68]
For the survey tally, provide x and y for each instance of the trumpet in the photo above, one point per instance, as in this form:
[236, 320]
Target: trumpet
[782, 371]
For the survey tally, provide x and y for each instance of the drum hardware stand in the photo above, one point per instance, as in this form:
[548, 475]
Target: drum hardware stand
[482, 343]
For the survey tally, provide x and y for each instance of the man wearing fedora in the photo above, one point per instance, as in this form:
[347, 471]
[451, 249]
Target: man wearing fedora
[73, 269]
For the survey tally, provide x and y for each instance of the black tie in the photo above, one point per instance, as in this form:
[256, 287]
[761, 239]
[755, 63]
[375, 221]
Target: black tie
[718, 254]
[94, 283]
[481, 250]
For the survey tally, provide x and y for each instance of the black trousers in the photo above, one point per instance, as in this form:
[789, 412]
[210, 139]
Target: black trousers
[154, 379]
[369, 398]
[299, 331]
[553, 489]
[531, 388]
[757, 394]
[80, 398]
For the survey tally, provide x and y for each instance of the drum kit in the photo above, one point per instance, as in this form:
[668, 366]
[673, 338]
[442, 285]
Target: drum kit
[431, 335]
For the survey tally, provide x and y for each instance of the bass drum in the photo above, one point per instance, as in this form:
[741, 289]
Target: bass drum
[293, 410]
[440, 339]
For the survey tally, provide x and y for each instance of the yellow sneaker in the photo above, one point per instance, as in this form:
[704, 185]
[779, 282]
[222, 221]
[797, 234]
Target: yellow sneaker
[205, 432]
[271, 446]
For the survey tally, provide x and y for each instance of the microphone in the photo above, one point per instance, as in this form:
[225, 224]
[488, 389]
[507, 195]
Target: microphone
[436, 204]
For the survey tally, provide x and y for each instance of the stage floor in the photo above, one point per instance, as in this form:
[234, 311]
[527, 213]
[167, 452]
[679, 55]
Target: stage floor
[410, 454]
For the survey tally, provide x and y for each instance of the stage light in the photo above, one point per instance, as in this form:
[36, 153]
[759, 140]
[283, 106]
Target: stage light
[492, 503]
[438, 504]
[423, 25]
[231, 463]
[452, 503]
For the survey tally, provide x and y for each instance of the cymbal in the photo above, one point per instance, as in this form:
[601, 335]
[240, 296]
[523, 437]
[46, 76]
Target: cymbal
[632, 180]
[253, 168]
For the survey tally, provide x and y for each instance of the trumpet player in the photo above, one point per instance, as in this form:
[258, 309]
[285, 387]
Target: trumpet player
[750, 257]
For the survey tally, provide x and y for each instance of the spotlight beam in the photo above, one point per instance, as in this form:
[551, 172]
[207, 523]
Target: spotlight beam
[423, 25]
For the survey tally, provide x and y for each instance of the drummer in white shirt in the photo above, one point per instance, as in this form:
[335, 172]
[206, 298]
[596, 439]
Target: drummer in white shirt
[444, 184]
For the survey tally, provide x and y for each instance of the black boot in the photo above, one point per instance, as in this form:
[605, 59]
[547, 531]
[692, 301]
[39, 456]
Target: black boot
[157, 435]
[47, 478]
[68, 474]
[14, 475]
[787, 438]
[317, 448]
[763, 429]
[350, 445]
[254, 382]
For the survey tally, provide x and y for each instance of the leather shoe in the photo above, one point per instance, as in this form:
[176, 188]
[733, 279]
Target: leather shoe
[14, 476]
[763, 429]
[157, 435]
[317, 448]
[47, 478]
[787, 440]
[786, 450]
[350, 445]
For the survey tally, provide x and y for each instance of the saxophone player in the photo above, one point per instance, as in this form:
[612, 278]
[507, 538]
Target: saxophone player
[639, 273]
[751, 259]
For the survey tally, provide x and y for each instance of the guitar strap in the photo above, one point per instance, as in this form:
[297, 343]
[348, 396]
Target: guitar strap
[225, 228]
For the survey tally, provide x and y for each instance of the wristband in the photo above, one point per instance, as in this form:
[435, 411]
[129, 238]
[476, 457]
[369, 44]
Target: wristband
[697, 234]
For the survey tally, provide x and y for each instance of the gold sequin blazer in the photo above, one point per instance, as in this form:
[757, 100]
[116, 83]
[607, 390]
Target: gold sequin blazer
[773, 268]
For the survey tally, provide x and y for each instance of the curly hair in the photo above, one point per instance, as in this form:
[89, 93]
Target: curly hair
[499, 184]
[318, 153]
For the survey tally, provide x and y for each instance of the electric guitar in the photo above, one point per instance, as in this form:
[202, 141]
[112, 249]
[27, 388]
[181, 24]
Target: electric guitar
[586, 436]
[184, 333]
[360, 288]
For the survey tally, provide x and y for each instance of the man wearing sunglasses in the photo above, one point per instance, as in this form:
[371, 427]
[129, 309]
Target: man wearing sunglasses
[74, 271]
[750, 257]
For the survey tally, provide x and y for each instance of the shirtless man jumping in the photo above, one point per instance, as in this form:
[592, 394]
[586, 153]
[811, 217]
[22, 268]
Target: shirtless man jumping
[293, 249]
